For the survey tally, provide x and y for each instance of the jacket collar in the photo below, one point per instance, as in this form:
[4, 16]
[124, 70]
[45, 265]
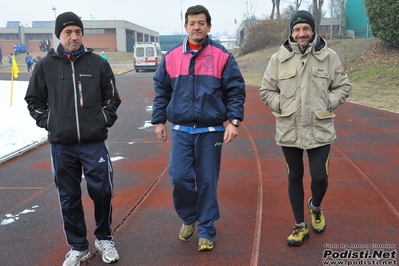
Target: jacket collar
[186, 46]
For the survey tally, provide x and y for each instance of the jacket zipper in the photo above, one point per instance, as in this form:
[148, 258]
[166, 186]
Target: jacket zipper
[76, 100]
[113, 88]
[80, 94]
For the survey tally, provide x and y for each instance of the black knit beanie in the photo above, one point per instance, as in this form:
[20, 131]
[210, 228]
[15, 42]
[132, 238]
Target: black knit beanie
[302, 16]
[66, 19]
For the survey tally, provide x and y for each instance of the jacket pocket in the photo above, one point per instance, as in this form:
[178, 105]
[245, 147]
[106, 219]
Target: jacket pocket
[323, 126]
[320, 79]
[286, 131]
[287, 83]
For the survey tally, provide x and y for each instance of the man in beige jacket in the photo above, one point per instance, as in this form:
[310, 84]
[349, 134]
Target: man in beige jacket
[303, 83]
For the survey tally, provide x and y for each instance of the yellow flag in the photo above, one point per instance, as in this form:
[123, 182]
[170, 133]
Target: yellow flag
[15, 69]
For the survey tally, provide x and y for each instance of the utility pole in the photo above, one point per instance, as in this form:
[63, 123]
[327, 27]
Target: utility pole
[181, 18]
[331, 12]
[54, 8]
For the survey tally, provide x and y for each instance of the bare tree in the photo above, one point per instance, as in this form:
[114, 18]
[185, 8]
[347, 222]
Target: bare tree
[298, 3]
[338, 8]
[317, 9]
[278, 9]
[275, 8]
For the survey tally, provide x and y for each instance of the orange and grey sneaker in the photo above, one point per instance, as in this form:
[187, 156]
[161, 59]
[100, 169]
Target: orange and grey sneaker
[318, 220]
[186, 231]
[205, 244]
[298, 235]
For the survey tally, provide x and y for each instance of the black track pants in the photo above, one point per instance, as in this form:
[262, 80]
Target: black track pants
[318, 164]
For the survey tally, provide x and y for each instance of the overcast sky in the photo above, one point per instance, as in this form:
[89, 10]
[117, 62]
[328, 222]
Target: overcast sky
[162, 16]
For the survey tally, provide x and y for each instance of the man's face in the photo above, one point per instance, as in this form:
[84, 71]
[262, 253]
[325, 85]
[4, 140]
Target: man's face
[302, 33]
[71, 38]
[197, 28]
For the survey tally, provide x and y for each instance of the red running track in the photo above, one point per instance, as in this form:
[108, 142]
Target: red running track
[361, 205]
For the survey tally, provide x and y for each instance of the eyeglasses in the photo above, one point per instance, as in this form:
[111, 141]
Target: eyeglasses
[304, 29]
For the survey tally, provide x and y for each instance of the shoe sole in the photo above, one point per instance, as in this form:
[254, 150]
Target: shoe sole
[205, 248]
[297, 243]
[185, 239]
[110, 261]
[317, 231]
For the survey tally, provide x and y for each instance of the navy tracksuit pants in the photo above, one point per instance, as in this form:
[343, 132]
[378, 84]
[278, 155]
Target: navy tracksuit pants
[68, 162]
[194, 170]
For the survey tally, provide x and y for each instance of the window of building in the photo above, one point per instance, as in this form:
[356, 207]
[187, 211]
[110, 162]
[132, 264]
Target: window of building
[40, 36]
[94, 31]
[9, 37]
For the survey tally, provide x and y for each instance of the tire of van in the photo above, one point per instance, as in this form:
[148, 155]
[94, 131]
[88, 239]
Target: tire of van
[137, 71]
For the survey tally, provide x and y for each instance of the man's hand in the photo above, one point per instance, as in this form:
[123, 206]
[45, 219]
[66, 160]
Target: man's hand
[161, 132]
[230, 133]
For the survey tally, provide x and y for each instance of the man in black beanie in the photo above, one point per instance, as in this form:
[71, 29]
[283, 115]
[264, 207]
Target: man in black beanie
[72, 94]
[67, 19]
[303, 83]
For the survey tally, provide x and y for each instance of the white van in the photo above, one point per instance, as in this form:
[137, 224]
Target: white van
[147, 55]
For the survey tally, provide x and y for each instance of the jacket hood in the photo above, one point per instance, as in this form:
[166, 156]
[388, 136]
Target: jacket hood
[318, 48]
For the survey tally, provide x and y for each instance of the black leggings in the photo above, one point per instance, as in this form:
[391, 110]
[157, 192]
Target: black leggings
[318, 164]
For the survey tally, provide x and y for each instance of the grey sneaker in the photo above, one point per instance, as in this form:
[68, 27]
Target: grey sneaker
[107, 250]
[186, 231]
[74, 257]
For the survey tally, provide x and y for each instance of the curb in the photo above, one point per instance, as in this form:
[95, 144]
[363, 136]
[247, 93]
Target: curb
[22, 151]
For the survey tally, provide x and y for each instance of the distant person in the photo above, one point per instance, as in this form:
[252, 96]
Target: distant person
[47, 45]
[15, 48]
[10, 59]
[29, 61]
[38, 57]
[303, 83]
[76, 111]
[1, 56]
[104, 56]
[198, 87]
[42, 46]
[22, 48]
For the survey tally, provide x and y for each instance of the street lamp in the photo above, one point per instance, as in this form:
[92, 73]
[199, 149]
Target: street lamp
[181, 18]
[236, 35]
[54, 9]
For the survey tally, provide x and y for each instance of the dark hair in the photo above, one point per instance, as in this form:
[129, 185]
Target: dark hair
[196, 10]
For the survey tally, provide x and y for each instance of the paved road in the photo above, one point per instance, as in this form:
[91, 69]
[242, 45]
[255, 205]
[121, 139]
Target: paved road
[361, 206]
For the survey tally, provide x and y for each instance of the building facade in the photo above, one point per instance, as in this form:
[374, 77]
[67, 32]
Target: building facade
[100, 35]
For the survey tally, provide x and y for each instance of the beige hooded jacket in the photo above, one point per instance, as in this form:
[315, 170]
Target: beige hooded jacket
[302, 90]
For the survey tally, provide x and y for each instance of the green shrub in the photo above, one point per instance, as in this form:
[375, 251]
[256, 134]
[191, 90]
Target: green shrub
[383, 18]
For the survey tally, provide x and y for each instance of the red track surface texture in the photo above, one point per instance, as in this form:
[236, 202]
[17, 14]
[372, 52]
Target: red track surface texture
[361, 205]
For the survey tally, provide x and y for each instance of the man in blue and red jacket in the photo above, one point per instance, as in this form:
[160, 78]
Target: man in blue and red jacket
[198, 86]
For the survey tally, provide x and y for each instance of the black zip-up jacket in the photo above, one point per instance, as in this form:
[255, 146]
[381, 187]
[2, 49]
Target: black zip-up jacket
[74, 100]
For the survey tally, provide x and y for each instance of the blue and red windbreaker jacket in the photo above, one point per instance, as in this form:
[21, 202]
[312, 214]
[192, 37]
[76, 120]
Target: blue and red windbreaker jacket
[199, 89]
